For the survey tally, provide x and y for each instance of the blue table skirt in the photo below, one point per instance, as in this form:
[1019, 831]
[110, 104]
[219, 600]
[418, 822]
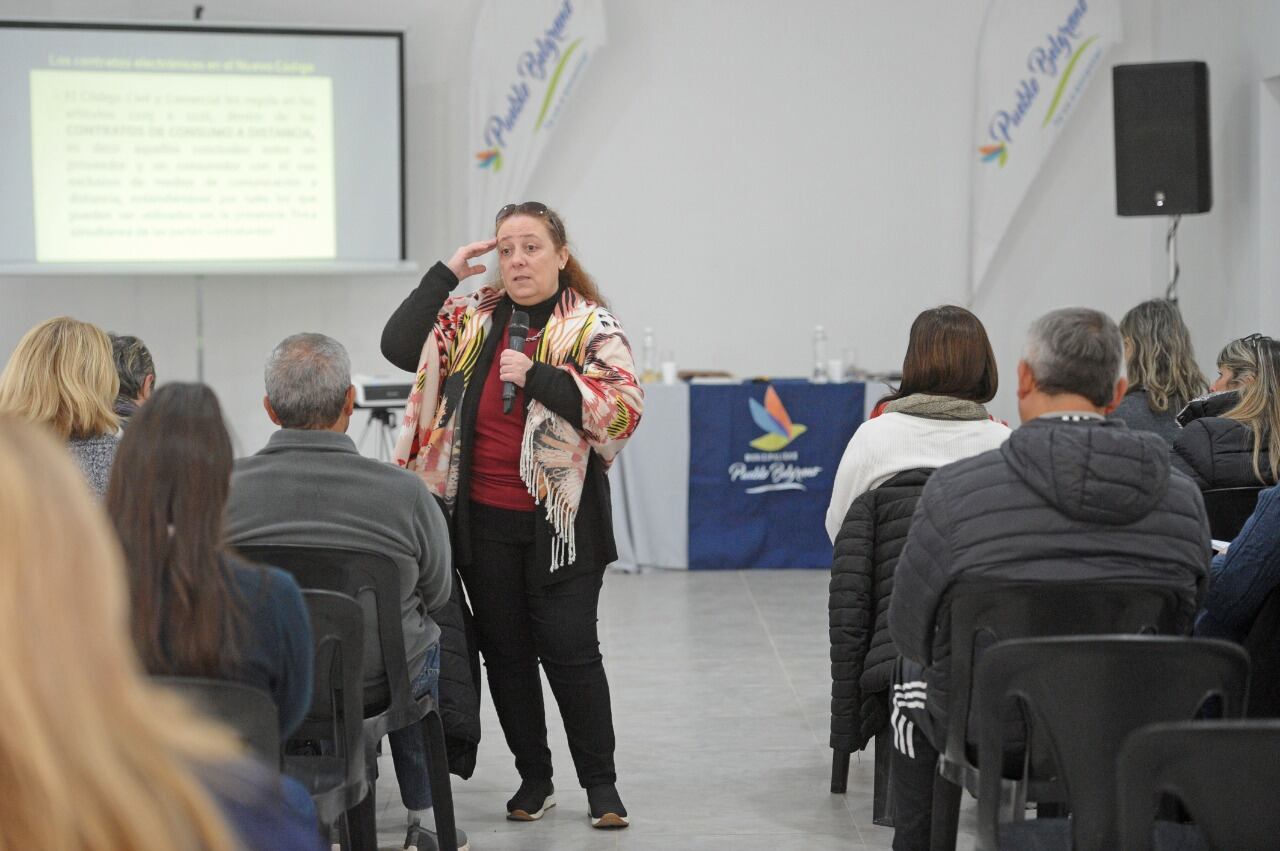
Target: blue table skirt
[652, 483]
[762, 462]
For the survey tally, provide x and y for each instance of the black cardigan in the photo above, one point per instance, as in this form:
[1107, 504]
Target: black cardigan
[402, 340]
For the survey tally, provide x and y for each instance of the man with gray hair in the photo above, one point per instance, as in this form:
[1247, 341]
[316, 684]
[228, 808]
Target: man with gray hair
[137, 374]
[1070, 498]
[311, 487]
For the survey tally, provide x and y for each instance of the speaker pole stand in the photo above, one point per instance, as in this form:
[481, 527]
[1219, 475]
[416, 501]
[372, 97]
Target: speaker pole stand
[1171, 252]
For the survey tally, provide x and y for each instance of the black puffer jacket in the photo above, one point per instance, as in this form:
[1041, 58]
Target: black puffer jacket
[1217, 452]
[459, 682]
[1061, 501]
[1208, 405]
[862, 654]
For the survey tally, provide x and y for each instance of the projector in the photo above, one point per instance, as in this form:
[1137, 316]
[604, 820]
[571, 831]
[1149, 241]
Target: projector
[381, 391]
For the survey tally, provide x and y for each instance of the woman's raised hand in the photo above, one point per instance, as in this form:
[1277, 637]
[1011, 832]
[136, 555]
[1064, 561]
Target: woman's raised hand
[459, 264]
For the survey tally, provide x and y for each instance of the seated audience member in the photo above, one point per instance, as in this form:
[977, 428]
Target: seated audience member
[1070, 498]
[1241, 578]
[61, 375]
[1237, 366]
[1161, 367]
[1241, 447]
[936, 415]
[137, 375]
[95, 757]
[199, 611]
[309, 486]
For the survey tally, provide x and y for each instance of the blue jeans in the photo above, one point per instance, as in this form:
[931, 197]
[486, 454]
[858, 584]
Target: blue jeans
[408, 750]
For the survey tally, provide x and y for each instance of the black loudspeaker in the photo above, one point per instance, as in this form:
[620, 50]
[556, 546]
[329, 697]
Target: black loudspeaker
[1162, 138]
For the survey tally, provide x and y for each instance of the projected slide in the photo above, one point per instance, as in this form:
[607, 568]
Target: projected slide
[142, 166]
[177, 148]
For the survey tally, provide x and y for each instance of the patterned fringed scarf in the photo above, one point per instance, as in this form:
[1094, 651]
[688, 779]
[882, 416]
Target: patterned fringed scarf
[581, 338]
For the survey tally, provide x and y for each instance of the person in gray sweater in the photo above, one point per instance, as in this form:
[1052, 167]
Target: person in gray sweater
[310, 486]
[1070, 498]
[1160, 365]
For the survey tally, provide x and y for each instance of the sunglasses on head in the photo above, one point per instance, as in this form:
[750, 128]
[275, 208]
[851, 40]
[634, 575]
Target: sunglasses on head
[532, 208]
[524, 208]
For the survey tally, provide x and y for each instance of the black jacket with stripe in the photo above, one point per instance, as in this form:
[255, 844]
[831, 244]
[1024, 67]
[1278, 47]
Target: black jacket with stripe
[862, 653]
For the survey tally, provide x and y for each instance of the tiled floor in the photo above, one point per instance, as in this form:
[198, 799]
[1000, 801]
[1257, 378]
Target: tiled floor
[721, 690]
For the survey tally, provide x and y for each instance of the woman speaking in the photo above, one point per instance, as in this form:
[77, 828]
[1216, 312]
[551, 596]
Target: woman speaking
[525, 479]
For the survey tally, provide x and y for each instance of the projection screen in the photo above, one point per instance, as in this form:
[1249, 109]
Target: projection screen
[200, 148]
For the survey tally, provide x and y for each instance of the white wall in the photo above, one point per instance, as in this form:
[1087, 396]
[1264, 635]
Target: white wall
[1224, 292]
[735, 172]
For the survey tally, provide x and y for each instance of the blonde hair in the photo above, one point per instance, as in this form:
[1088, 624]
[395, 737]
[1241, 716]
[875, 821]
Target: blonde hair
[1259, 407]
[1159, 357]
[63, 374]
[1241, 358]
[93, 757]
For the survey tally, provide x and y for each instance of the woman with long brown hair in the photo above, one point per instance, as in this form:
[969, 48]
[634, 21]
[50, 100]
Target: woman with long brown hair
[197, 609]
[1161, 367]
[93, 756]
[936, 415]
[523, 473]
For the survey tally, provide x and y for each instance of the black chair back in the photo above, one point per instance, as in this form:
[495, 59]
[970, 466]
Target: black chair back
[1084, 696]
[982, 614]
[976, 615]
[336, 781]
[249, 711]
[1224, 772]
[373, 580]
[1228, 509]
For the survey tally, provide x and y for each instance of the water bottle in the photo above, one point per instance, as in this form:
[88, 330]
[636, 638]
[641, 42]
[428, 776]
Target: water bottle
[648, 356]
[819, 355]
[852, 372]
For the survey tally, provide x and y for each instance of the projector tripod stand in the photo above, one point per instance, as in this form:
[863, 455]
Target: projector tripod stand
[383, 422]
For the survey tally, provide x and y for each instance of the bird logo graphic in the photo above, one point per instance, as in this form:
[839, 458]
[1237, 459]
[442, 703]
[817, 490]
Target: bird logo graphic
[998, 152]
[773, 418]
[492, 158]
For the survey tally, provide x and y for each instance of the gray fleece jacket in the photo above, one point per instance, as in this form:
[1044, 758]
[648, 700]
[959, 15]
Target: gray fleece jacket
[313, 488]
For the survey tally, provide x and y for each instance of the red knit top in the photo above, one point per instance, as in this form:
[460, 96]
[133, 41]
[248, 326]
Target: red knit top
[495, 451]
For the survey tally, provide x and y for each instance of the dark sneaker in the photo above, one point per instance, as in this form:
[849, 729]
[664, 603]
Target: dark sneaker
[605, 807]
[421, 839]
[532, 800]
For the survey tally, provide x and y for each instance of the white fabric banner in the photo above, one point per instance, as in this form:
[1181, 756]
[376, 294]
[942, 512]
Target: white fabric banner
[525, 61]
[1035, 60]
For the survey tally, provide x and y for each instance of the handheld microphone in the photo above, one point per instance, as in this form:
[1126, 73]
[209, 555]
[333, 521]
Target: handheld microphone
[518, 331]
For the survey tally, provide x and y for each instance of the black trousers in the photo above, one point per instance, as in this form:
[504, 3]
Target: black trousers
[520, 624]
[912, 780]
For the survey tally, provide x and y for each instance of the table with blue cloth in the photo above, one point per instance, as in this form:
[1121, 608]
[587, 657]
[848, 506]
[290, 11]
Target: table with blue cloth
[734, 475]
